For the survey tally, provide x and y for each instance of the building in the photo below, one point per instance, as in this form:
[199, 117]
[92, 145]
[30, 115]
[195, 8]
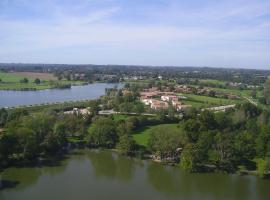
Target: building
[159, 105]
[169, 98]
[145, 100]
[77, 111]
[183, 107]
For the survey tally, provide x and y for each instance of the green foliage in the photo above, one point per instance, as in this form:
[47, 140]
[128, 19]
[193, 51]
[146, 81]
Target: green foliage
[191, 128]
[189, 158]
[222, 153]
[207, 120]
[266, 91]
[164, 143]
[263, 166]
[263, 142]
[24, 80]
[223, 121]
[126, 144]
[103, 133]
[37, 81]
[28, 137]
[244, 146]
[3, 117]
[54, 141]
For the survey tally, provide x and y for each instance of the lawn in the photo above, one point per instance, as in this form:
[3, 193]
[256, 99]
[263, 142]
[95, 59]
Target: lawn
[11, 81]
[10, 77]
[212, 81]
[142, 136]
[205, 101]
[119, 117]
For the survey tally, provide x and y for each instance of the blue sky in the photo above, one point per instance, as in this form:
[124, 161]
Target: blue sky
[231, 33]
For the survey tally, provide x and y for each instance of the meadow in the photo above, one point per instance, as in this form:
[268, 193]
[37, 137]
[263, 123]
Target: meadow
[11, 81]
[142, 135]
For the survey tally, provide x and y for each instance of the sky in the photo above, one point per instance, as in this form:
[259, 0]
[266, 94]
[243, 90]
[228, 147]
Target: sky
[224, 33]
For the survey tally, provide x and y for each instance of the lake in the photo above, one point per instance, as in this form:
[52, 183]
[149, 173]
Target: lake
[9, 98]
[98, 175]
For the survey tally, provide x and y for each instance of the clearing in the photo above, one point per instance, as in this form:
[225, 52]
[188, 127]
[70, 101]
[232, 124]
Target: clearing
[142, 135]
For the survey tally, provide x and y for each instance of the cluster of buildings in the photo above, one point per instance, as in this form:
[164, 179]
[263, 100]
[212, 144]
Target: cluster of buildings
[77, 111]
[159, 100]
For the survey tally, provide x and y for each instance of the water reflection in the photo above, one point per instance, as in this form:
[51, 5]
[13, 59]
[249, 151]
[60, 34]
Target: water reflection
[107, 175]
[20, 178]
[111, 165]
[174, 182]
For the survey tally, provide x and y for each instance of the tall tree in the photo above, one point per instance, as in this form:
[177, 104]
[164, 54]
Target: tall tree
[266, 91]
[103, 133]
[164, 143]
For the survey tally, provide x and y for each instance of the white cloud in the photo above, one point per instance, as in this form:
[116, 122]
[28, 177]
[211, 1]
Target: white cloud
[174, 32]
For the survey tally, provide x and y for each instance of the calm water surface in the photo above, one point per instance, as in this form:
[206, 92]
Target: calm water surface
[106, 175]
[17, 98]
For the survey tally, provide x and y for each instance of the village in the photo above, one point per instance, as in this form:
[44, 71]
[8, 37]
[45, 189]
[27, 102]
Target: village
[163, 97]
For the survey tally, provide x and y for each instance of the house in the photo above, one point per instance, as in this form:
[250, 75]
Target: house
[159, 105]
[149, 94]
[77, 111]
[169, 98]
[145, 100]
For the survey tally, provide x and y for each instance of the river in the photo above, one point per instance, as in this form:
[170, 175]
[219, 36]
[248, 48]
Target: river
[98, 175]
[9, 98]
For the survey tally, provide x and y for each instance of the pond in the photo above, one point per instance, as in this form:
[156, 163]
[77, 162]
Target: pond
[98, 175]
[9, 98]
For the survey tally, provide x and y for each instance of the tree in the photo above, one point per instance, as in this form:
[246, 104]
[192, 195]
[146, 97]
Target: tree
[254, 93]
[223, 120]
[126, 144]
[164, 143]
[26, 142]
[192, 127]
[266, 91]
[263, 167]
[263, 142]
[222, 153]
[16, 114]
[207, 120]
[203, 145]
[102, 133]
[37, 81]
[54, 141]
[94, 107]
[3, 116]
[189, 158]
[244, 146]
[7, 147]
[24, 80]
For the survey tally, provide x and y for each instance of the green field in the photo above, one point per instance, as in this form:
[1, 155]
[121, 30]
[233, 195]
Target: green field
[199, 101]
[10, 78]
[10, 81]
[141, 136]
[212, 81]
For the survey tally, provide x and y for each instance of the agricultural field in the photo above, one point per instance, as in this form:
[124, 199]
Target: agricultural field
[142, 135]
[34, 75]
[11, 81]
